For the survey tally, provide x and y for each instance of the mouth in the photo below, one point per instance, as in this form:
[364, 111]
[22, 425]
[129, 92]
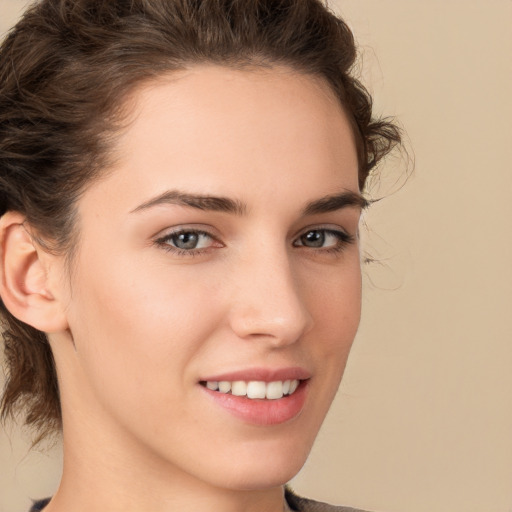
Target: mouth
[260, 397]
[254, 389]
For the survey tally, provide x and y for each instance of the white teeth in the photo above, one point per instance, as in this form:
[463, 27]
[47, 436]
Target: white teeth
[224, 386]
[274, 390]
[213, 385]
[239, 388]
[256, 389]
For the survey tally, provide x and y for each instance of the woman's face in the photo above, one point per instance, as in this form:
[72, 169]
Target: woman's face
[223, 247]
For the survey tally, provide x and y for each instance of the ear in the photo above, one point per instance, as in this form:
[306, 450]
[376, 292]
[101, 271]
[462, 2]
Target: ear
[24, 284]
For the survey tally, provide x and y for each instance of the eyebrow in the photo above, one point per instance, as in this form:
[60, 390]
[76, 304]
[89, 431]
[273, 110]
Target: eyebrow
[198, 201]
[336, 202]
[224, 204]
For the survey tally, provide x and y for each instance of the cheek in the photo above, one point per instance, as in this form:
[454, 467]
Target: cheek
[336, 309]
[335, 305]
[145, 322]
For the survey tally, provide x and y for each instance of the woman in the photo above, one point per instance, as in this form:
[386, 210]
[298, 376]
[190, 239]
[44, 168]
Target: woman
[181, 188]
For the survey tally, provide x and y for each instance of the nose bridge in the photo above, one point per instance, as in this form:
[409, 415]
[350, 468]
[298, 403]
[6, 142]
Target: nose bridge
[268, 301]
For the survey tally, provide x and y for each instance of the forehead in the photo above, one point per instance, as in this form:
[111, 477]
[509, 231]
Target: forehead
[227, 132]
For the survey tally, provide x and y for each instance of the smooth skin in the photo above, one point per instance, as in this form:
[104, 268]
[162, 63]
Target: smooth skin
[162, 294]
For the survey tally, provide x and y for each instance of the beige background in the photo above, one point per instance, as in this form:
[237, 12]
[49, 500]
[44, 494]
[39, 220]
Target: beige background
[423, 421]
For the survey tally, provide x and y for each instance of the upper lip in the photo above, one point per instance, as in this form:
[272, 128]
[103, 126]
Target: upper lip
[262, 374]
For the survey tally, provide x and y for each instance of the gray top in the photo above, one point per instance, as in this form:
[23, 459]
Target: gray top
[299, 504]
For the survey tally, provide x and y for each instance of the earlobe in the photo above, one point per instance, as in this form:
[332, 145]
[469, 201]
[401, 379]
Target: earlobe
[24, 283]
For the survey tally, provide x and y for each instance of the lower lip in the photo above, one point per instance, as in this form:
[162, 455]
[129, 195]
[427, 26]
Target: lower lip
[260, 411]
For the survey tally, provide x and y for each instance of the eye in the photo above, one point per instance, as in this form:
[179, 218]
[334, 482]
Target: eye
[187, 241]
[324, 239]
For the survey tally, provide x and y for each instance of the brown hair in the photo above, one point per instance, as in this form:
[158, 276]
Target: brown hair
[64, 71]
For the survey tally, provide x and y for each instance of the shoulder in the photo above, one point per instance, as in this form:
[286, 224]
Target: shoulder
[298, 504]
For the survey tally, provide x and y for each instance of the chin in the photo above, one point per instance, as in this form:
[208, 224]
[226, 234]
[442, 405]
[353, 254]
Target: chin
[267, 469]
[259, 479]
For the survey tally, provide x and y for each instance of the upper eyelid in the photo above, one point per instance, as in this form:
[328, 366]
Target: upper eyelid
[175, 230]
[332, 228]
[212, 232]
[219, 234]
[326, 230]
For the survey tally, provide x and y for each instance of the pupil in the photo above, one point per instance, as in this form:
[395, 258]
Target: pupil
[186, 240]
[314, 239]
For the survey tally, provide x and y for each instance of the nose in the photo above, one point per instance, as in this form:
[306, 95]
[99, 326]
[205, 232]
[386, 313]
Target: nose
[268, 300]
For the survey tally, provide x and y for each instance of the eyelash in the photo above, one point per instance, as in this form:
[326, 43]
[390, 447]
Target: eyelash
[344, 240]
[164, 242]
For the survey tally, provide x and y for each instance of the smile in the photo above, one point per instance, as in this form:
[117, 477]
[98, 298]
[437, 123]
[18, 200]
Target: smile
[259, 402]
[255, 389]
